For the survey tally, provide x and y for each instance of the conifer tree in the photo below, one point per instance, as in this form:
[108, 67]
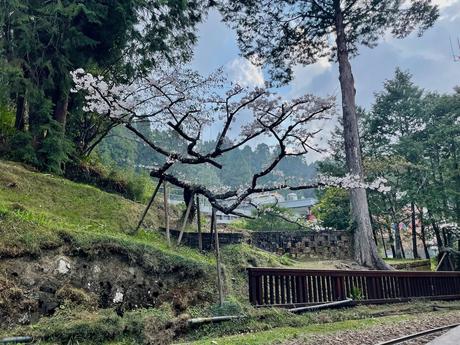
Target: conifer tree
[282, 34]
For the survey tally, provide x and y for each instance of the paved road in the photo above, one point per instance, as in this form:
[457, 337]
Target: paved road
[450, 338]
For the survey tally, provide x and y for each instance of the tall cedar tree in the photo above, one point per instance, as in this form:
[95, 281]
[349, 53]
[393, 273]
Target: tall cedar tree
[45, 40]
[283, 33]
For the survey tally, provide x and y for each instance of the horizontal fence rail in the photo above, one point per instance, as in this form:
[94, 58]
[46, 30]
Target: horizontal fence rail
[297, 287]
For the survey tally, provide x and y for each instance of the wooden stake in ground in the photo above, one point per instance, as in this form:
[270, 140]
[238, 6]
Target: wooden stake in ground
[198, 223]
[155, 192]
[220, 287]
[166, 207]
[184, 223]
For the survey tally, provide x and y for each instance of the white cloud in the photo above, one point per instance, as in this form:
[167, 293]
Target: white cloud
[241, 71]
[304, 75]
[444, 3]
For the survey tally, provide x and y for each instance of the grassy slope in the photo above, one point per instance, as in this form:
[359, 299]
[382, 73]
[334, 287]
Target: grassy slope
[43, 211]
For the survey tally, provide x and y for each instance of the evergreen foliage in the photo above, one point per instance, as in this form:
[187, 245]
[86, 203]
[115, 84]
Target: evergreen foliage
[42, 41]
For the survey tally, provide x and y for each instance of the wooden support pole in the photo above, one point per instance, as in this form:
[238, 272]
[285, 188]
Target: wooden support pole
[184, 223]
[155, 192]
[166, 207]
[211, 236]
[220, 287]
[198, 221]
[440, 261]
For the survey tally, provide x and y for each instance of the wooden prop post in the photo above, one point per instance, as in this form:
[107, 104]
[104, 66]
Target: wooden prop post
[184, 223]
[220, 287]
[198, 221]
[166, 207]
[155, 192]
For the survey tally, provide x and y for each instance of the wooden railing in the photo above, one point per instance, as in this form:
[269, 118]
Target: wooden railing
[297, 287]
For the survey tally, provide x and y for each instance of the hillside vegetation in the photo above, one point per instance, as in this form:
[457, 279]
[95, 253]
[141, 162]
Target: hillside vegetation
[44, 218]
[41, 210]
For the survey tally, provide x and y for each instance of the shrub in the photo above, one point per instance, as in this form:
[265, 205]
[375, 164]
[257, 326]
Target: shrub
[333, 209]
[22, 149]
[272, 218]
[131, 185]
[6, 123]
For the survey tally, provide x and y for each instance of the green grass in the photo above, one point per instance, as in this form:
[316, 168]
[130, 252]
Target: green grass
[98, 327]
[42, 211]
[262, 320]
[405, 261]
[54, 199]
[275, 336]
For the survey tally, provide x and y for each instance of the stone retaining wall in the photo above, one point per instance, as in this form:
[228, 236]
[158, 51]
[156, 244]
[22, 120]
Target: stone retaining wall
[191, 238]
[326, 244]
[323, 244]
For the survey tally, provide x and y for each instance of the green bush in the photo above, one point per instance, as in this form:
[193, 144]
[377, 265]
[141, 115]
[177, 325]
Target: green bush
[333, 208]
[132, 185]
[22, 149]
[54, 150]
[271, 218]
[6, 123]
[230, 307]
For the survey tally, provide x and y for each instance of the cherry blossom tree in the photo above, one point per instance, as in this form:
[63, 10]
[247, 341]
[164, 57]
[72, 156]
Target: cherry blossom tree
[185, 103]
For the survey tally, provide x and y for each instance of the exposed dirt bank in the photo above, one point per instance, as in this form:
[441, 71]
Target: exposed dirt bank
[103, 277]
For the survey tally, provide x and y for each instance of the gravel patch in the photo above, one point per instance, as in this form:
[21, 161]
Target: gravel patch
[383, 332]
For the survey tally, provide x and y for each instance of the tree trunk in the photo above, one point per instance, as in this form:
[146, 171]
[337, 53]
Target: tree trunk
[402, 246]
[22, 113]
[456, 168]
[399, 250]
[374, 233]
[391, 239]
[60, 109]
[365, 250]
[398, 244]
[423, 235]
[383, 241]
[414, 231]
[437, 233]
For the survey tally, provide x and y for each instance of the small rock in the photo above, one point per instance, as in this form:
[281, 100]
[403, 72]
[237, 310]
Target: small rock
[24, 319]
[63, 266]
[118, 298]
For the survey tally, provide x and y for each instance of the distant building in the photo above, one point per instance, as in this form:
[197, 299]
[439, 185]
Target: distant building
[300, 207]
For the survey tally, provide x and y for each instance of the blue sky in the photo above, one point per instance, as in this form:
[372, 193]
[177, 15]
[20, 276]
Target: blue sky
[428, 58]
